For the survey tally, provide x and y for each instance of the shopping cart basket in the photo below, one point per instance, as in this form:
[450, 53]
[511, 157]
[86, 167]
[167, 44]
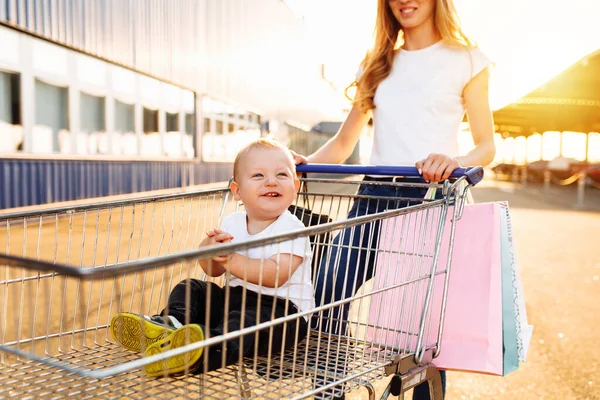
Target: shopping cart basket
[67, 271]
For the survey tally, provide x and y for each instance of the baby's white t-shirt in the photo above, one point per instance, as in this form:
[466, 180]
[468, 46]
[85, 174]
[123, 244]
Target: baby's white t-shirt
[419, 106]
[298, 288]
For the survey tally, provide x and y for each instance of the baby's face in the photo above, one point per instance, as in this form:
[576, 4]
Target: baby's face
[266, 182]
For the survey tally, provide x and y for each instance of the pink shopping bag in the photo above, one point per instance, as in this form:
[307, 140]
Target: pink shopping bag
[472, 331]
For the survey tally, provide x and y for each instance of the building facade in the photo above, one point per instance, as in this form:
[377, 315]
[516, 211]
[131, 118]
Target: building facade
[102, 97]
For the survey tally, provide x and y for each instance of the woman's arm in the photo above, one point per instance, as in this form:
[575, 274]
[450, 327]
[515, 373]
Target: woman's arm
[269, 272]
[481, 121]
[438, 167]
[339, 148]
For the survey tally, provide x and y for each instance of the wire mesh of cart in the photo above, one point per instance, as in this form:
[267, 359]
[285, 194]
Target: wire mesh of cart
[66, 272]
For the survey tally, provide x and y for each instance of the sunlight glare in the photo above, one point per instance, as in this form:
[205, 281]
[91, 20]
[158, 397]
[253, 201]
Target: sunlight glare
[594, 147]
[534, 148]
[550, 145]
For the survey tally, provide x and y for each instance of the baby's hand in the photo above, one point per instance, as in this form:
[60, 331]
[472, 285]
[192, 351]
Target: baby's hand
[219, 236]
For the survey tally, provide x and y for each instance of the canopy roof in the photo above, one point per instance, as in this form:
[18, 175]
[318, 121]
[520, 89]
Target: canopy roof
[568, 102]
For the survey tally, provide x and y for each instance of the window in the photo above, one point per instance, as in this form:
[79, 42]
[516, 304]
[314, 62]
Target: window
[51, 129]
[172, 122]
[190, 135]
[151, 144]
[10, 98]
[233, 128]
[11, 131]
[92, 113]
[173, 141]
[136, 120]
[124, 117]
[150, 120]
[124, 141]
[189, 124]
[92, 138]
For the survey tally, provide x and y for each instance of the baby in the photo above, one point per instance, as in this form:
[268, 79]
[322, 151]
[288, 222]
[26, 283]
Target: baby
[264, 179]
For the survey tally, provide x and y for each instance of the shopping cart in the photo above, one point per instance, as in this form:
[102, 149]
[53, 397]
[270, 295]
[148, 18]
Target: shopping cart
[67, 271]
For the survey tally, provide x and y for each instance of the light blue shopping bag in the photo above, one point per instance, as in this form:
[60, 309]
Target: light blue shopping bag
[510, 351]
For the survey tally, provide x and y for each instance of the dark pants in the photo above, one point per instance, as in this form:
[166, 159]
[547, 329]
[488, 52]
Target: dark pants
[351, 260]
[205, 296]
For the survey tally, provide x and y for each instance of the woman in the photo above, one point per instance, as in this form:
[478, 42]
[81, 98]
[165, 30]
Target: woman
[418, 80]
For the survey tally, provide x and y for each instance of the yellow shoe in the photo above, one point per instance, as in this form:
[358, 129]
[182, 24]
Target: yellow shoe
[137, 332]
[180, 363]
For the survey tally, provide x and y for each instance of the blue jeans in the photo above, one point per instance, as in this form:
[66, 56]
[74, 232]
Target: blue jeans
[356, 259]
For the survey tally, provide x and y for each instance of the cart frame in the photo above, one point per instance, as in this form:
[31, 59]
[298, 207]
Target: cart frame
[407, 368]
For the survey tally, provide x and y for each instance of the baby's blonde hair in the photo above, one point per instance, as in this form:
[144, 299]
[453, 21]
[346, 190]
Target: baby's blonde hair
[262, 143]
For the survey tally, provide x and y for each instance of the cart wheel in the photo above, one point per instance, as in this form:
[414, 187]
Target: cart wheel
[395, 386]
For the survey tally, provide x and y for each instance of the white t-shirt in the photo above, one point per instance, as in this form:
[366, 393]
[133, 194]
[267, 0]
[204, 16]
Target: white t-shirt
[298, 287]
[419, 106]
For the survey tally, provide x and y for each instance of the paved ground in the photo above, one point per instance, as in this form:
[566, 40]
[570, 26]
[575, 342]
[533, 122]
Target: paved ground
[559, 253]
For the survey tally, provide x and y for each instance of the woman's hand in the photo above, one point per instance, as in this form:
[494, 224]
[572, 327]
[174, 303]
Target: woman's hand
[437, 167]
[299, 158]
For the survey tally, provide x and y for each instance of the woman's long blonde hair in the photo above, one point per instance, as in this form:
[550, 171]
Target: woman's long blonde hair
[377, 64]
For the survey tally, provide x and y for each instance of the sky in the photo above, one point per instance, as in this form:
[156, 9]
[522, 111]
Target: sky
[530, 41]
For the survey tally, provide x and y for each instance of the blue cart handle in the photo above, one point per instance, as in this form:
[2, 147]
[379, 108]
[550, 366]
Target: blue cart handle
[473, 175]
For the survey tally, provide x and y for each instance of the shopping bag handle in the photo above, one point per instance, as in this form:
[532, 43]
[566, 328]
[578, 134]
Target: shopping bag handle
[473, 175]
